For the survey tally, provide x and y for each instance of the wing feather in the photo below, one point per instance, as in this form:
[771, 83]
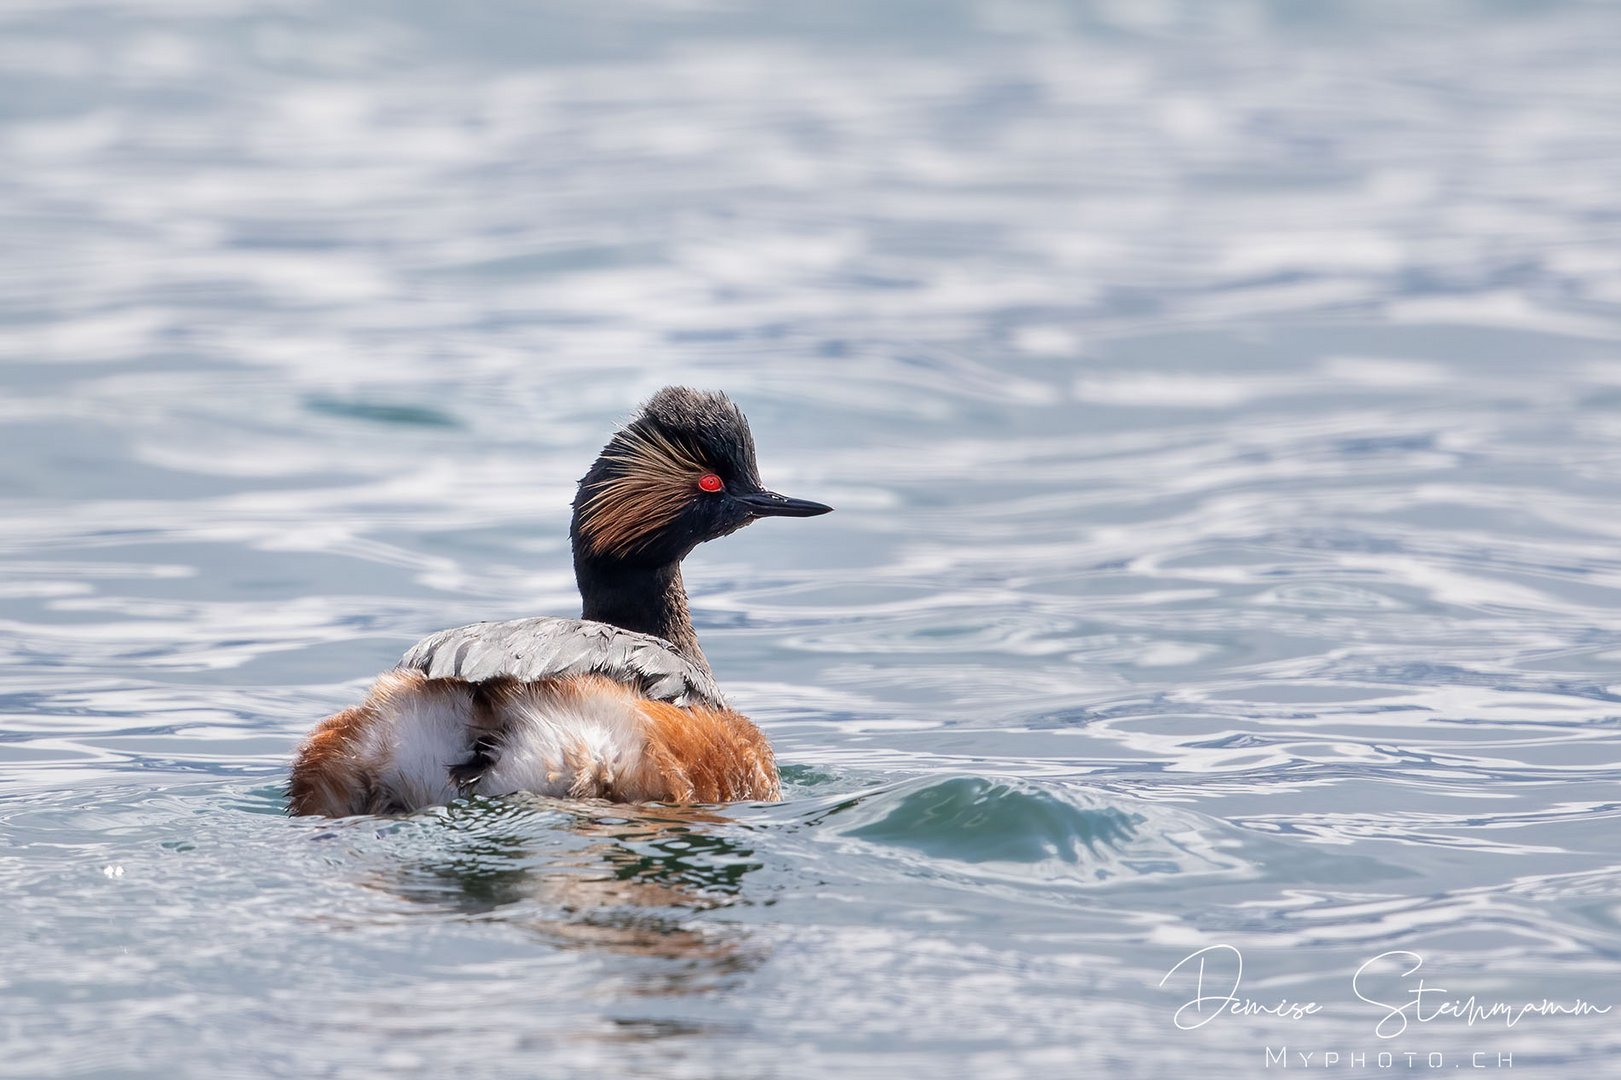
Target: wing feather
[549, 648]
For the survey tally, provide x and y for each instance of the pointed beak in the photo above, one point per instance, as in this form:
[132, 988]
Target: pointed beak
[770, 504]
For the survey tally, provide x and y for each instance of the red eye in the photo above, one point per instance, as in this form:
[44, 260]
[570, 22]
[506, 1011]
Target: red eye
[710, 482]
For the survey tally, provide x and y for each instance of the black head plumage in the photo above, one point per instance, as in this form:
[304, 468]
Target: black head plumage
[681, 472]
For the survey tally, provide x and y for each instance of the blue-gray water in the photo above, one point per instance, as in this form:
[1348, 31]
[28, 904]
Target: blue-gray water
[1222, 404]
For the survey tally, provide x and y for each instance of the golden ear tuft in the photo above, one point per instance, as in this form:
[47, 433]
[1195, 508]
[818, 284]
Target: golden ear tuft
[652, 482]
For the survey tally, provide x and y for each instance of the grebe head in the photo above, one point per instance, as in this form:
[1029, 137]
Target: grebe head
[680, 473]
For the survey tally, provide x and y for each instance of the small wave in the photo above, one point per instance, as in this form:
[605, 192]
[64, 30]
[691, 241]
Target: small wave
[1029, 829]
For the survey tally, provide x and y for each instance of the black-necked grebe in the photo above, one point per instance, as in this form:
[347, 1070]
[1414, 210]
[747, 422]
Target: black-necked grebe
[618, 704]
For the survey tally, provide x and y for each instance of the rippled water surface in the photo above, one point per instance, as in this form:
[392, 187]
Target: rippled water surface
[1222, 404]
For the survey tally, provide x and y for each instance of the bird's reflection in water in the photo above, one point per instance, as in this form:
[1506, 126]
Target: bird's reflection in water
[629, 881]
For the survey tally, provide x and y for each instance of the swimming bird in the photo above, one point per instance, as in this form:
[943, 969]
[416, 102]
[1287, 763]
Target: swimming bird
[618, 704]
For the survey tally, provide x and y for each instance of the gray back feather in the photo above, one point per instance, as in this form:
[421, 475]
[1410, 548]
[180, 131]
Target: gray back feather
[549, 648]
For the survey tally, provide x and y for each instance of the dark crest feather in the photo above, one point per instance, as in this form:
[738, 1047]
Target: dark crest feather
[648, 473]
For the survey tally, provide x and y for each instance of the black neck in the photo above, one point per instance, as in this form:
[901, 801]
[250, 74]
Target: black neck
[646, 599]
